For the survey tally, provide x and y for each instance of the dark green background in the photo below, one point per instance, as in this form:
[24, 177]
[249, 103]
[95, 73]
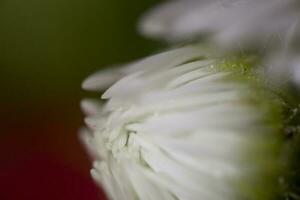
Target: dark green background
[47, 48]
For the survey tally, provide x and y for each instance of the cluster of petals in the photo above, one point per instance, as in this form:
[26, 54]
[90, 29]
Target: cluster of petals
[174, 126]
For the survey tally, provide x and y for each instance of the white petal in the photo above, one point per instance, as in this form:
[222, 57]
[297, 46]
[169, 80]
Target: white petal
[101, 80]
[90, 106]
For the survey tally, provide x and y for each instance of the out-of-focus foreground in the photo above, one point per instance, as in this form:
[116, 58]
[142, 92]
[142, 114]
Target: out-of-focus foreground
[46, 49]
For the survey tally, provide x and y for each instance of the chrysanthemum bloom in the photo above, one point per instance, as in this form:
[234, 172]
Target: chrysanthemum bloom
[270, 27]
[184, 125]
[233, 23]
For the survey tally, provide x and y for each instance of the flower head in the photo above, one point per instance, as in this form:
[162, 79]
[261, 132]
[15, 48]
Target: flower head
[185, 125]
[269, 27]
[231, 23]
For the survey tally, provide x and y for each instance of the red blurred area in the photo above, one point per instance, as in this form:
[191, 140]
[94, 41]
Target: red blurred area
[42, 158]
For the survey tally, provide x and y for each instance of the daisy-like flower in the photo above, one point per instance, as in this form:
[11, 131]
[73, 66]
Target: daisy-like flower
[232, 23]
[270, 27]
[185, 125]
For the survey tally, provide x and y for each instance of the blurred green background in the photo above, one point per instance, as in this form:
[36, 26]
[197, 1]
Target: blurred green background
[47, 48]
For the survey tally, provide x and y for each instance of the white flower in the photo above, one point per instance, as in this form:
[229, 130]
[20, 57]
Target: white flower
[271, 27]
[231, 23]
[183, 125]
